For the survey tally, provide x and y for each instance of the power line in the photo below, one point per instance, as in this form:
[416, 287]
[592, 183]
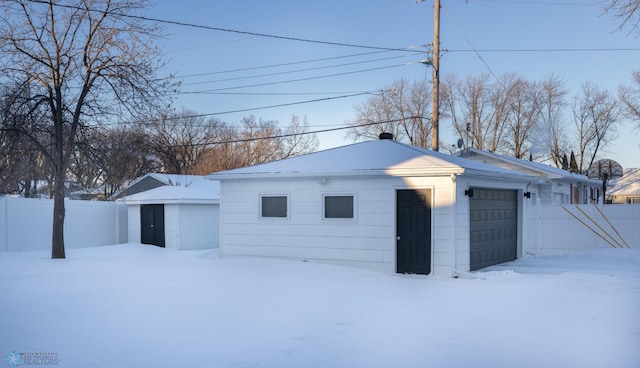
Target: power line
[293, 71]
[470, 44]
[548, 50]
[281, 105]
[220, 29]
[246, 109]
[284, 93]
[296, 80]
[284, 64]
[543, 3]
[288, 135]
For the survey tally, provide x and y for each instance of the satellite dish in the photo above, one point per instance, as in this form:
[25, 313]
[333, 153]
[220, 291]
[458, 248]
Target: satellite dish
[605, 169]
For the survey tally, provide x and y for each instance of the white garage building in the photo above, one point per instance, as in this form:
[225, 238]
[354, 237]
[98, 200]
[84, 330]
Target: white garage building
[380, 205]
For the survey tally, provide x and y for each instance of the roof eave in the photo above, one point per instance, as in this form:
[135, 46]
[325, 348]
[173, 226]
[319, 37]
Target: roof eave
[439, 171]
[502, 175]
[168, 201]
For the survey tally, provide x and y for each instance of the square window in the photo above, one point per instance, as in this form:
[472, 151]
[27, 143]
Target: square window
[338, 207]
[273, 206]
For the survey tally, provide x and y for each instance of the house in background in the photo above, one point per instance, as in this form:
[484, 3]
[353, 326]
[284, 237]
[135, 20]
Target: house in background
[380, 205]
[625, 189]
[184, 216]
[555, 187]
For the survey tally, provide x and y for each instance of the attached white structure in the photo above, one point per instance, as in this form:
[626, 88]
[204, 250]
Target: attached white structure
[177, 217]
[555, 187]
[380, 205]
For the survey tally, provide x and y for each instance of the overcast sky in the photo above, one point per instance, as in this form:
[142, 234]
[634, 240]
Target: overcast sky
[225, 71]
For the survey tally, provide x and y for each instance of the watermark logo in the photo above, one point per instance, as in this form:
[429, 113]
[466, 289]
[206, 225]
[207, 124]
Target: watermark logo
[14, 359]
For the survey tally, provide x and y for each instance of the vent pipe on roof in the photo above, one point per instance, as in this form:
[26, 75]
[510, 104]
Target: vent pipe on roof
[388, 136]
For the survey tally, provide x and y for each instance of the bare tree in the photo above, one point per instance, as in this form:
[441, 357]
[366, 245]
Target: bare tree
[179, 139]
[551, 132]
[109, 158]
[121, 155]
[84, 171]
[511, 115]
[626, 11]
[403, 109]
[23, 165]
[256, 141]
[479, 110]
[254, 145]
[297, 140]
[467, 103]
[79, 58]
[221, 155]
[630, 98]
[525, 112]
[595, 113]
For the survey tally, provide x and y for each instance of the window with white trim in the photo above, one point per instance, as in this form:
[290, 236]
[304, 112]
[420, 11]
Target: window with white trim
[274, 206]
[341, 206]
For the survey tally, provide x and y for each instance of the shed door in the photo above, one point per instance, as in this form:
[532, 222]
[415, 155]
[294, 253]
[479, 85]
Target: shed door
[152, 224]
[494, 227]
[413, 231]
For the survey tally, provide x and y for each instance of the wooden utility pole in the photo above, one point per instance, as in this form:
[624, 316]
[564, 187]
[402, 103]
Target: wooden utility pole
[435, 63]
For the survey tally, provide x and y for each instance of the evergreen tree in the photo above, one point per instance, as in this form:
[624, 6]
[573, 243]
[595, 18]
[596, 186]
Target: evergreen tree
[573, 165]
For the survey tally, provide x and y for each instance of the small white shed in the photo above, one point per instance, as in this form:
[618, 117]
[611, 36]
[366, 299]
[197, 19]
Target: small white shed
[176, 217]
[380, 205]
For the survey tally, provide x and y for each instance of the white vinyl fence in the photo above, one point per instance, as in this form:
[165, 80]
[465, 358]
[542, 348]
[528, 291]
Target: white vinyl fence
[26, 223]
[566, 229]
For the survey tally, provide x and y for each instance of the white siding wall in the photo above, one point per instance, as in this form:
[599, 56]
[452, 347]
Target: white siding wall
[198, 226]
[171, 226]
[122, 223]
[134, 229]
[547, 196]
[368, 241]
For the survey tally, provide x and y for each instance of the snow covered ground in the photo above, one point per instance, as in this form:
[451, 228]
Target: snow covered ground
[135, 305]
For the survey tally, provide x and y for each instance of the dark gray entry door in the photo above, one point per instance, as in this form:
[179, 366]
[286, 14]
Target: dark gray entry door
[494, 227]
[152, 224]
[413, 231]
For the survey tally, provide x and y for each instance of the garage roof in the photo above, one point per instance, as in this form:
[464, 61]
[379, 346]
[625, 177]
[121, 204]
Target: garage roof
[377, 157]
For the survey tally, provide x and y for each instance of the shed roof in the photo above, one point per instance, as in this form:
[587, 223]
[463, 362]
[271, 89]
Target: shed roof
[627, 184]
[155, 180]
[376, 157]
[174, 194]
